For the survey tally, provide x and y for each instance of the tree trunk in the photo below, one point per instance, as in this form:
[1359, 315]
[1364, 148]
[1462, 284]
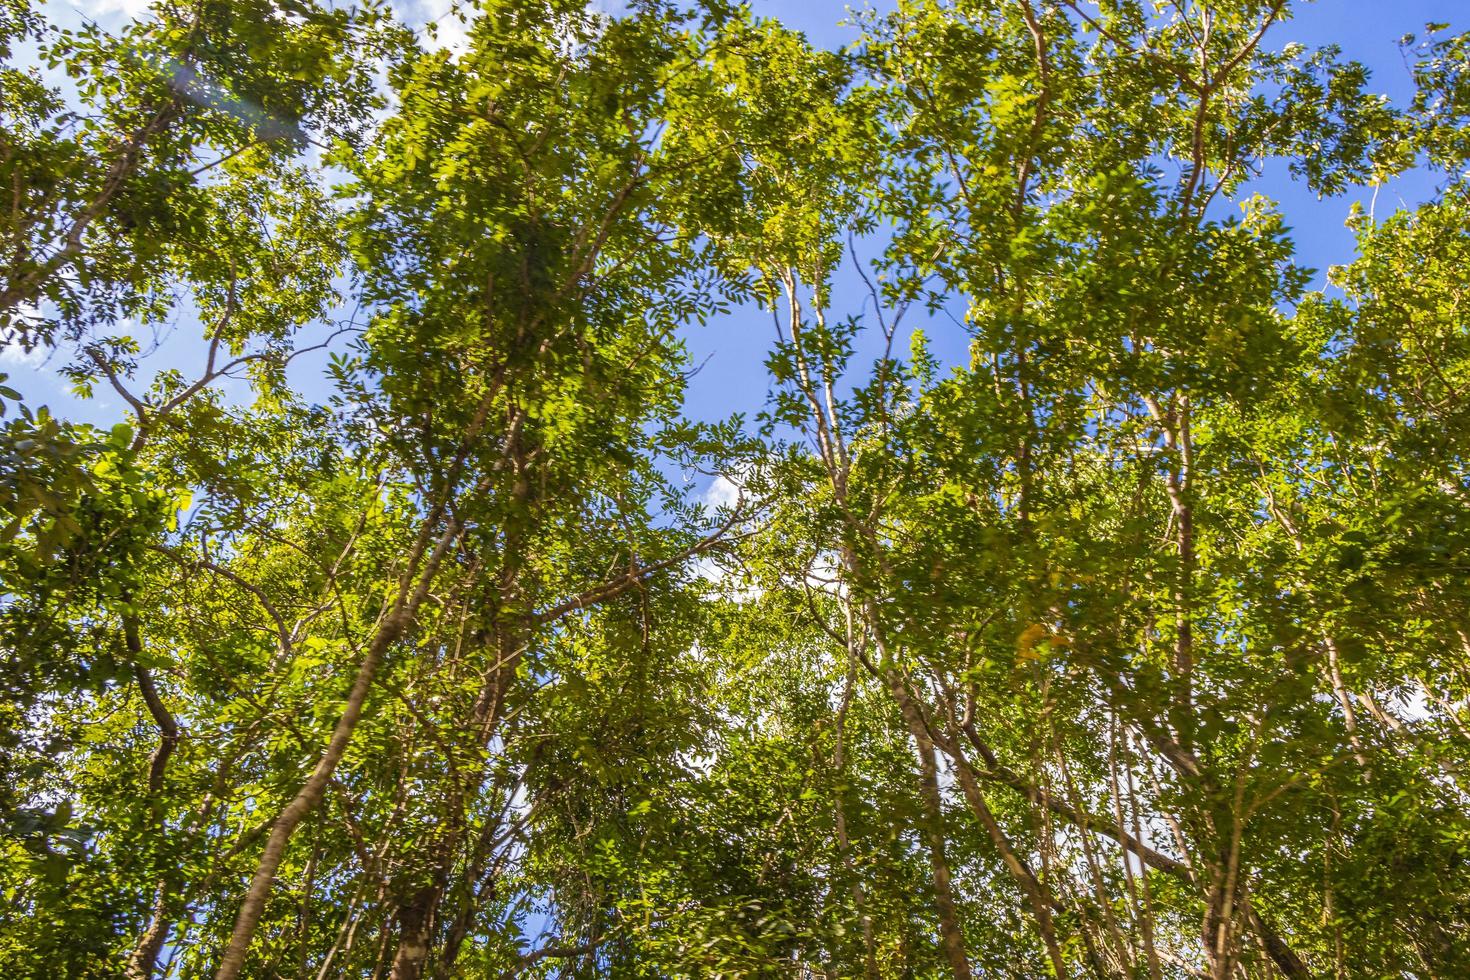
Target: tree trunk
[952, 938]
[144, 957]
[416, 933]
[310, 794]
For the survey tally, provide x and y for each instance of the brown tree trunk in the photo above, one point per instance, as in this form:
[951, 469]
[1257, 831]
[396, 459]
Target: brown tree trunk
[29, 286]
[389, 631]
[1036, 894]
[417, 921]
[844, 844]
[144, 957]
[951, 937]
[415, 934]
[1173, 422]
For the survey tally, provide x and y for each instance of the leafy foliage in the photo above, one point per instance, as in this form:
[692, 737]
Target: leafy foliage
[1091, 601]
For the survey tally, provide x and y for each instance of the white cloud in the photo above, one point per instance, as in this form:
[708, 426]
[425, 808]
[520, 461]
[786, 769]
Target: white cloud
[17, 356]
[705, 568]
[722, 492]
[131, 9]
[1414, 707]
[944, 774]
[12, 353]
[826, 574]
[450, 33]
[450, 22]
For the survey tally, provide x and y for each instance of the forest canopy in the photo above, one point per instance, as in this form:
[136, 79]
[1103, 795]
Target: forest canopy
[1089, 598]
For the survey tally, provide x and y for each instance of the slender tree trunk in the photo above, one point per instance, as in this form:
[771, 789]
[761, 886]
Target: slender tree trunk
[1281, 954]
[1345, 701]
[144, 958]
[1224, 901]
[844, 844]
[1036, 894]
[1286, 960]
[1216, 933]
[951, 937]
[28, 286]
[393, 626]
[1174, 423]
[417, 921]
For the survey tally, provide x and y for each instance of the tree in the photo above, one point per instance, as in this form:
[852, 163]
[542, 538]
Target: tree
[1128, 643]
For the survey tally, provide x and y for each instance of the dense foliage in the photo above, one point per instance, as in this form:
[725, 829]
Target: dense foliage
[385, 634]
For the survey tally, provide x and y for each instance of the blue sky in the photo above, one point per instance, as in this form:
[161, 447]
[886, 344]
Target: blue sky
[732, 351]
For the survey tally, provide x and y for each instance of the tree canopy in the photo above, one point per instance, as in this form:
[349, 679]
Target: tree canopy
[1090, 598]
